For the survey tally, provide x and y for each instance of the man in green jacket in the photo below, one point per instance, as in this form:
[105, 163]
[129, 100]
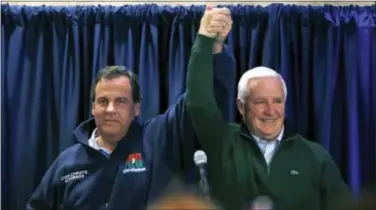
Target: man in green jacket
[260, 159]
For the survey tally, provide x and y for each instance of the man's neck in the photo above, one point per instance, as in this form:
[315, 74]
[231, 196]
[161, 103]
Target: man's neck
[109, 143]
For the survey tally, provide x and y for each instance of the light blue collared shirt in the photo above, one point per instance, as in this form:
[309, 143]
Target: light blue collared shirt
[94, 144]
[268, 147]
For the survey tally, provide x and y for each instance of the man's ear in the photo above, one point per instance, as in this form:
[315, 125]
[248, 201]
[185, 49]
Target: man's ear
[92, 108]
[240, 106]
[137, 109]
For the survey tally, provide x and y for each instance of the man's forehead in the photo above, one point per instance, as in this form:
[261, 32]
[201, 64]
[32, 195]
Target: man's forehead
[113, 88]
[265, 87]
[112, 97]
[120, 84]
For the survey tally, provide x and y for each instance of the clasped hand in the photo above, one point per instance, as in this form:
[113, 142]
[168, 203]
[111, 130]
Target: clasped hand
[216, 23]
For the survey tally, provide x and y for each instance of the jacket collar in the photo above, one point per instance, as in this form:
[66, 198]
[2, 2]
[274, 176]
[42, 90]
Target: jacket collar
[131, 139]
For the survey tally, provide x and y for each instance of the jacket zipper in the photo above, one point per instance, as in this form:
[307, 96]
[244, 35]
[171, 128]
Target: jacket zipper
[275, 152]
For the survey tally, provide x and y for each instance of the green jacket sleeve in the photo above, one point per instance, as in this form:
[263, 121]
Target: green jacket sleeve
[208, 122]
[334, 190]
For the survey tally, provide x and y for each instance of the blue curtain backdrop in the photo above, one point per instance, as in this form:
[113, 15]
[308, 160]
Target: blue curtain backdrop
[50, 55]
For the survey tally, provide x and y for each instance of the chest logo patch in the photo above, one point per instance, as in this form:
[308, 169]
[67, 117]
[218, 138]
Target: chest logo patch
[294, 172]
[134, 164]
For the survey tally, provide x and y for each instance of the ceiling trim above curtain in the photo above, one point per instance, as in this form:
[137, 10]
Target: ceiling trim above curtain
[186, 2]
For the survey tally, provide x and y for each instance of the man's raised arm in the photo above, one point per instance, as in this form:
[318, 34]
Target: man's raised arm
[177, 140]
[207, 118]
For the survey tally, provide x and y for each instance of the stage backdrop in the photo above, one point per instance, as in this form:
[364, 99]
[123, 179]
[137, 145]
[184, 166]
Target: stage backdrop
[50, 56]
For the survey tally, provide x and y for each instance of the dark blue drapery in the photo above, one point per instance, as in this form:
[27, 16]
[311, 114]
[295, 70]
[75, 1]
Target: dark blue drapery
[50, 56]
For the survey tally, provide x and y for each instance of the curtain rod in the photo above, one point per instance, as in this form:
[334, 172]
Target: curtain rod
[183, 3]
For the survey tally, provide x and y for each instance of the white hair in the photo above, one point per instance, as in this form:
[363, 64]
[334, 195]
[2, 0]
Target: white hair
[257, 72]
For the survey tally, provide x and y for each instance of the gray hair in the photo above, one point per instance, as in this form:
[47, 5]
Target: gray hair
[257, 72]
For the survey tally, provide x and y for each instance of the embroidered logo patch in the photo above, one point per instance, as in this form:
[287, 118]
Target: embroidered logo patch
[134, 163]
[294, 172]
[74, 176]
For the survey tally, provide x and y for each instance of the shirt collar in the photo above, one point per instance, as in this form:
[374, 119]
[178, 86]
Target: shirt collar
[94, 144]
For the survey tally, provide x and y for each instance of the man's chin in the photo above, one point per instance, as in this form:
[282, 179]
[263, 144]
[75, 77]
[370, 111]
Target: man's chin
[269, 134]
[110, 123]
[110, 131]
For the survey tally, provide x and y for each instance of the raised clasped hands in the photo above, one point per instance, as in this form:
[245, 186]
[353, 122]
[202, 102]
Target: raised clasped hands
[216, 23]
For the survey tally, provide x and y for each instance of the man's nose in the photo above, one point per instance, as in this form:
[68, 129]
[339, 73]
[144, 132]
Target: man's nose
[110, 107]
[269, 109]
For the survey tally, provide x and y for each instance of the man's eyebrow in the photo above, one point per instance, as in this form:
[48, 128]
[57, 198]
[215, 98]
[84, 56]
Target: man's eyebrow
[122, 98]
[259, 98]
